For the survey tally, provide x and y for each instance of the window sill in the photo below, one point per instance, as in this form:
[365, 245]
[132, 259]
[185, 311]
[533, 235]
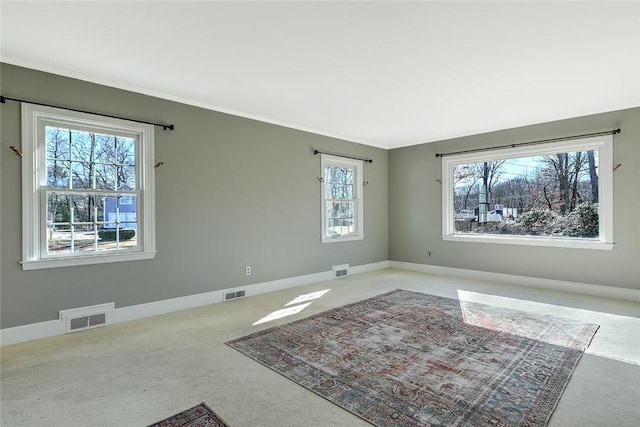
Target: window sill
[85, 260]
[341, 239]
[531, 241]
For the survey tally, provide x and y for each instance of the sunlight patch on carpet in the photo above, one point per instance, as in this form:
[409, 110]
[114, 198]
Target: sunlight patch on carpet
[279, 314]
[307, 297]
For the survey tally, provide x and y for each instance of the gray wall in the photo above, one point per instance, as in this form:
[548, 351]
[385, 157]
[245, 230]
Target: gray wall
[415, 209]
[232, 192]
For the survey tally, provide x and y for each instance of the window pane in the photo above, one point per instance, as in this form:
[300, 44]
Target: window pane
[126, 178]
[58, 173]
[105, 177]
[126, 154]
[58, 241]
[58, 208]
[84, 236]
[82, 146]
[82, 208]
[105, 151]
[58, 223]
[330, 228]
[553, 195]
[82, 174]
[127, 236]
[345, 191]
[57, 143]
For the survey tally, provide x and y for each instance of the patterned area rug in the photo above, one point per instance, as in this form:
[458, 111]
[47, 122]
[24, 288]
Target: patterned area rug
[198, 416]
[412, 359]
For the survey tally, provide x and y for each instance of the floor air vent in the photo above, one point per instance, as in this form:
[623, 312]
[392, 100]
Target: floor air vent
[81, 319]
[233, 295]
[340, 271]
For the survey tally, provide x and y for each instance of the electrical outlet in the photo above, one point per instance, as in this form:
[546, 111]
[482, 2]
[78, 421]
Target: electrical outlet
[428, 254]
[247, 270]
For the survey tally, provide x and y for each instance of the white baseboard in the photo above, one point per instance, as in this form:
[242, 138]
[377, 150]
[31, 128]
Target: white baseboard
[33, 331]
[532, 282]
[52, 328]
[367, 268]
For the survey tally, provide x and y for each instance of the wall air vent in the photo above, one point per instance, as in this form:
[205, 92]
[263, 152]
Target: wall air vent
[340, 271]
[81, 319]
[233, 295]
[86, 322]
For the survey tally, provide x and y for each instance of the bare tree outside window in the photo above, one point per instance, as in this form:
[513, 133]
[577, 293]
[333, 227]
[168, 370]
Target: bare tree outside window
[553, 195]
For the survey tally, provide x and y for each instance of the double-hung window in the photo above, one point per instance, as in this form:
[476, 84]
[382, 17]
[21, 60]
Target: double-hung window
[342, 204]
[554, 194]
[88, 189]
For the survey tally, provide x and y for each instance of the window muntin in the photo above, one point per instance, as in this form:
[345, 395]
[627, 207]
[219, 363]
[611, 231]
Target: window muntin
[550, 194]
[82, 167]
[341, 199]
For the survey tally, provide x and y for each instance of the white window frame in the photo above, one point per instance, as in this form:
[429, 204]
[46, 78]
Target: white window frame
[358, 188]
[604, 145]
[34, 187]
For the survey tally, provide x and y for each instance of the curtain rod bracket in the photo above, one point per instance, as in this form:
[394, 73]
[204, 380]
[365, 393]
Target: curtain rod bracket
[15, 149]
[157, 165]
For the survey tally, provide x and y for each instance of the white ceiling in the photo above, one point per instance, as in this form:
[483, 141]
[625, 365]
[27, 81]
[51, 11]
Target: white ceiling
[387, 74]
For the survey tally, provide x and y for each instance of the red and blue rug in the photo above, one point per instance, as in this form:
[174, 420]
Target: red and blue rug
[411, 359]
[198, 416]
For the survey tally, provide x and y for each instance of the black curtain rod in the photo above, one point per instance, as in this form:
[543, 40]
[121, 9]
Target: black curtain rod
[542, 141]
[4, 99]
[364, 159]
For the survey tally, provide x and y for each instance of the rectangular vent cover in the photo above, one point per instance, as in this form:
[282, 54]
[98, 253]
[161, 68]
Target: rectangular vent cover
[87, 322]
[80, 319]
[340, 271]
[233, 295]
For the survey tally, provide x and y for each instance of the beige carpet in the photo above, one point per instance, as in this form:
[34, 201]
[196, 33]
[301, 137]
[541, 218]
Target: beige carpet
[138, 372]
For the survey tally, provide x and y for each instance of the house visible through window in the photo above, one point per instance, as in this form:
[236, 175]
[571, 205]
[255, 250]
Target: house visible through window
[552, 194]
[90, 174]
[342, 202]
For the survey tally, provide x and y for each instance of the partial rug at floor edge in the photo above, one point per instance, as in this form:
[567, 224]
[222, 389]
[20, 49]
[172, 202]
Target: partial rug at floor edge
[198, 416]
[410, 359]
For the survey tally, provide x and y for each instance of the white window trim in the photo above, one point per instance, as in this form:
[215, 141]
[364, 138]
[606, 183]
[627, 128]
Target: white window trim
[358, 185]
[34, 159]
[604, 144]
